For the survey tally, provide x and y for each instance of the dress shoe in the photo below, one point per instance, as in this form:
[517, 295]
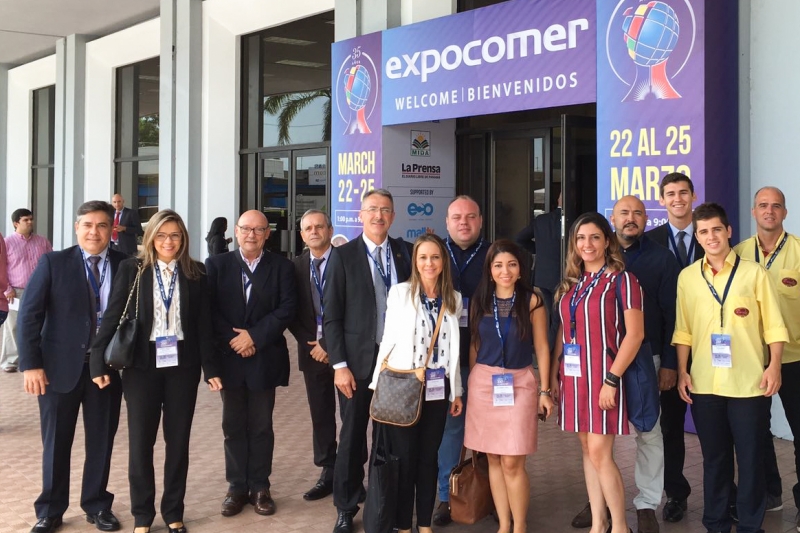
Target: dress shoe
[442, 515]
[774, 503]
[233, 503]
[319, 491]
[47, 524]
[646, 519]
[10, 369]
[584, 518]
[263, 502]
[674, 510]
[103, 520]
[181, 528]
[344, 522]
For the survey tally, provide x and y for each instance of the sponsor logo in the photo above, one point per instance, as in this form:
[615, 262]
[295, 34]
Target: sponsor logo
[420, 209]
[789, 282]
[741, 311]
[357, 91]
[414, 233]
[420, 143]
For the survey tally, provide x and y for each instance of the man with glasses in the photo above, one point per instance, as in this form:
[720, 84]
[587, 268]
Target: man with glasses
[253, 299]
[358, 279]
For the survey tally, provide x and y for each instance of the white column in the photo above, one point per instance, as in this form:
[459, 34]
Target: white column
[3, 139]
[418, 10]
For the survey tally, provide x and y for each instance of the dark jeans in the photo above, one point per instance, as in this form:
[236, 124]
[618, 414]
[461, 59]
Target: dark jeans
[249, 438]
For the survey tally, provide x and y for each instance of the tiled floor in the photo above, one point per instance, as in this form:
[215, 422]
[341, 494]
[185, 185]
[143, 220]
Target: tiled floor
[556, 474]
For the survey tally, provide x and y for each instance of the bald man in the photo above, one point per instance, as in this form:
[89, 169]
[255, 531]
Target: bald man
[126, 227]
[253, 299]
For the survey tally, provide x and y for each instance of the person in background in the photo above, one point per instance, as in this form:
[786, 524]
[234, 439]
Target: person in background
[3, 280]
[508, 324]
[215, 240]
[127, 227]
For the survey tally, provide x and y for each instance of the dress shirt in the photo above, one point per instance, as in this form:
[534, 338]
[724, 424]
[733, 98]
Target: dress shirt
[105, 287]
[751, 307]
[252, 265]
[687, 239]
[23, 255]
[785, 274]
[160, 328]
[322, 266]
[371, 249]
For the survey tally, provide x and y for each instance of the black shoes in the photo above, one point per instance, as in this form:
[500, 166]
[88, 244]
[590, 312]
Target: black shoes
[46, 525]
[233, 503]
[344, 522]
[103, 520]
[319, 491]
[179, 529]
[674, 510]
[442, 515]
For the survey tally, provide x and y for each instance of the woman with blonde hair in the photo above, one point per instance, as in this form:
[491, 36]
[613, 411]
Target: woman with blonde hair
[173, 342]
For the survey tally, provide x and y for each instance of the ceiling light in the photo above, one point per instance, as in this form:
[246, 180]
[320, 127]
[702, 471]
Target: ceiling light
[288, 40]
[294, 63]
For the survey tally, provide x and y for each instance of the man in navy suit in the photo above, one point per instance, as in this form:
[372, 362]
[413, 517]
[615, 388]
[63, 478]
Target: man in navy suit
[357, 282]
[63, 306]
[126, 228]
[253, 300]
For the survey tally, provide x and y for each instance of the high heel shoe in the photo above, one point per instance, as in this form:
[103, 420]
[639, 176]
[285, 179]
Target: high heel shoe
[179, 527]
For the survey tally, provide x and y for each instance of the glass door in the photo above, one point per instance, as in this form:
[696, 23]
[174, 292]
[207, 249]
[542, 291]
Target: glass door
[310, 188]
[273, 197]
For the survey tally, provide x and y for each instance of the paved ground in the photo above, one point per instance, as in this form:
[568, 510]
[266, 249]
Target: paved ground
[557, 490]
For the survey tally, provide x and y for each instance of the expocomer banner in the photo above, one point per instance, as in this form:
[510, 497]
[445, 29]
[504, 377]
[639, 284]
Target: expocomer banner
[650, 99]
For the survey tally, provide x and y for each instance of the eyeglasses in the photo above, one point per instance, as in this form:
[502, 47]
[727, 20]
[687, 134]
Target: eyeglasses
[161, 237]
[247, 230]
[374, 210]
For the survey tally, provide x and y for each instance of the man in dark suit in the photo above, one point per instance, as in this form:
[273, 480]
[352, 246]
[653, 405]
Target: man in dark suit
[358, 279]
[126, 227]
[63, 306]
[253, 300]
[310, 269]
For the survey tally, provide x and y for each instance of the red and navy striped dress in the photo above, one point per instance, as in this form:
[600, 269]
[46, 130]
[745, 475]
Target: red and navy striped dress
[599, 324]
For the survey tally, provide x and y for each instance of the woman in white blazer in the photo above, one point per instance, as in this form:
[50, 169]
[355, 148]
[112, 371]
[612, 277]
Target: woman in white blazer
[412, 309]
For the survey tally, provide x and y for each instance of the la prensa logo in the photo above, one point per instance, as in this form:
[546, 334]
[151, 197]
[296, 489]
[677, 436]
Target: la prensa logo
[420, 143]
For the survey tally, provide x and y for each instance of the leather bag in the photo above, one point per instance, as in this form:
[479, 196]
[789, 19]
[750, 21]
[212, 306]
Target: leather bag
[380, 506]
[397, 400]
[470, 493]
[119, 353]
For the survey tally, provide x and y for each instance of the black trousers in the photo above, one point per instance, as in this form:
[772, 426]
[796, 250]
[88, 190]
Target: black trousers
[149, 393]
[249, 438]
[321, 396]
[673, 415]
[790, 397]
[348, 473]
[58, 414]
[418, 450]
[725, 425]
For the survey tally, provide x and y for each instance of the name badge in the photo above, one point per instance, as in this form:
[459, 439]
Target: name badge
[572, 360]
[434, 384]
[99, 320]
[721, 351]
[319, 327]
[166, 351]
[463, 320]
[503, 390]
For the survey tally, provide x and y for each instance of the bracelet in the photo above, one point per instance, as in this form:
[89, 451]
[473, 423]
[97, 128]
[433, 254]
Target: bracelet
[612, 380]
[611, 383]
[544, 392]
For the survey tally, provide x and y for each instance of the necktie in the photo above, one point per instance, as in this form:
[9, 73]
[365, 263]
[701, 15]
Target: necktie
[682, 253]
[93, 260]
[380, 292]
[114, 234]
[314, 291]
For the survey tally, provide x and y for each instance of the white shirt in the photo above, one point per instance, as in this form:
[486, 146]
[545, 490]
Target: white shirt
[371, 248]
[687, 240]
[322, 266]
[252, 265]
[160, 316]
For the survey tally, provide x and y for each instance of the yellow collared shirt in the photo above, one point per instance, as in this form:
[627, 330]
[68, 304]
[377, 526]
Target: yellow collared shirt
[785, 275]
[751, 316]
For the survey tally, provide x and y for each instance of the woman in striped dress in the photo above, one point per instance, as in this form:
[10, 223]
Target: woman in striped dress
[594, 357]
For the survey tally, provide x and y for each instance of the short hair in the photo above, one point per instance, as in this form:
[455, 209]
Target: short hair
[19, 213]
[464, 197]
[380, 192]
[316, 212]
[675, 177]
[770, 188]
[709, 210]
[96, 205]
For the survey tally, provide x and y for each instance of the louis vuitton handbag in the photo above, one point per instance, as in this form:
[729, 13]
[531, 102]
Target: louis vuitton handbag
[398, 394]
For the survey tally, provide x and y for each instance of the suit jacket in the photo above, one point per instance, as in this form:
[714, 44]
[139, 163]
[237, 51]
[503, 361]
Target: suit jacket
[265, 321]
[195, 321]
[126, 240]
[56, 317]
[304, 326]
[351, 316]
[660, 235]
[542, 237]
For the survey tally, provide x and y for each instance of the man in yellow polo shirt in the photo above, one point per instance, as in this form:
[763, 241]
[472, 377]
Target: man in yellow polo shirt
[779, 253]
[724, 303]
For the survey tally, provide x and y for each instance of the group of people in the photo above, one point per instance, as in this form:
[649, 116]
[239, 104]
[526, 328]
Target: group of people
[498, 354]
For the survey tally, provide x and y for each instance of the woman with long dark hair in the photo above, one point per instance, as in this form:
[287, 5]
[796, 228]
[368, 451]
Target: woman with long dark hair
[215, 240]
[508, 322]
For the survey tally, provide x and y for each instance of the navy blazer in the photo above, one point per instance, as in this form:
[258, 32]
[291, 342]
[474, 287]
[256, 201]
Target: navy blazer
[265, 321]
[660, 235]
[55, 321]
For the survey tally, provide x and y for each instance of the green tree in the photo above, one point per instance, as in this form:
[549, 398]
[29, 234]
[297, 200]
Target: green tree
[287, 106]
[148, 130]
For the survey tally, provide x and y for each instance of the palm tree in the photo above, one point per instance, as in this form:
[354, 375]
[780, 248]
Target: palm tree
[287, 106]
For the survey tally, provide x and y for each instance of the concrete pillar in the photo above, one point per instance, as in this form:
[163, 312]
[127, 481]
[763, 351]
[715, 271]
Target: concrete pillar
[360, 17]
[3, 138]
[179, 185]
[418, 10]
[69, 191]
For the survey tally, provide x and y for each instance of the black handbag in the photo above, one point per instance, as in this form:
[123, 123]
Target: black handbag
[398, 394]
[380, 506]
[119, 353]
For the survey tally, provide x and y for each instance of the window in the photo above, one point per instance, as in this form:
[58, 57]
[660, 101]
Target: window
[43, 159]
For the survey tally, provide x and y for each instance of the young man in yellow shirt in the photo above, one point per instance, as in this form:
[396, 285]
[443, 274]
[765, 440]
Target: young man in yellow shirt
[724, 303]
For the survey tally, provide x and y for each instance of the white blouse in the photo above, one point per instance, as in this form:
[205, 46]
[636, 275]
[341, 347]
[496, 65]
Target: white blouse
[160, 328]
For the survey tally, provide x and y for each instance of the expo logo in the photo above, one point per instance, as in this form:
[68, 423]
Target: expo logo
[417, 209]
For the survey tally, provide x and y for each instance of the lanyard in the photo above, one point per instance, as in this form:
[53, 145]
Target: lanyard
[675, 248]
[387, 275]
[463, 267]
[317, 283]
[503, 337]
[576, 298]
[93, 282]
[432, 320]
[775, 253]
[714, 292]
[164, 298]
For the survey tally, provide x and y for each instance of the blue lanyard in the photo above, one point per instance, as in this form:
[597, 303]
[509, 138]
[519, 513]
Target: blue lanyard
[318, 283]
[576, 298]
[714, 292]
[385, 276]
[164, 298]
[438, 308]
[503, 337]
[675, 248]
[93, 282]
[775, 253]
[463, 267]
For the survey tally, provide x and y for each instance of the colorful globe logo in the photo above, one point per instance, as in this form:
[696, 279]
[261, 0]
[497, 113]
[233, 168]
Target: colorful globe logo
[651, 33]
[357, 86]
